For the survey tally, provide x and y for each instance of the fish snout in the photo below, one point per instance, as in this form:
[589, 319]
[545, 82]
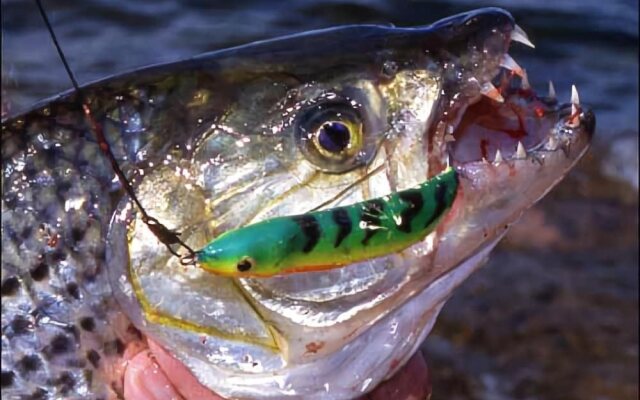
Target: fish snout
[462, 26]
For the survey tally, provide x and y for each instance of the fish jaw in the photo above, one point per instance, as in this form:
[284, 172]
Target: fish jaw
[494, 196]
[509, 144]
[509, 160]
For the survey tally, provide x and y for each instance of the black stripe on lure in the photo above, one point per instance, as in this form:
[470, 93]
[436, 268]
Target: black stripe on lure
[334, 237]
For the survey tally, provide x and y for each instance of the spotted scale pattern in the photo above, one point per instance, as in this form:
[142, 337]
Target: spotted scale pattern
[60, 329]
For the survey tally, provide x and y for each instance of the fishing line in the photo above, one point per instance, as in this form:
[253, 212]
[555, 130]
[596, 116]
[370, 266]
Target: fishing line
[161, 232]
[348, 188]
[358, 181]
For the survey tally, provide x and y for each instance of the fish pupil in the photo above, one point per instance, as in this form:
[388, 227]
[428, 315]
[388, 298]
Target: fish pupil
[334, 136]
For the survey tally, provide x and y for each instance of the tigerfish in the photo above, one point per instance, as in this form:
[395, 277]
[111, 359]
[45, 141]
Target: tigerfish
[233, 137]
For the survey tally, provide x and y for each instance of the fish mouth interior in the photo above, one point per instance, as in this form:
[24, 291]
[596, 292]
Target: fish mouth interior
[487, 125]
[495, 116]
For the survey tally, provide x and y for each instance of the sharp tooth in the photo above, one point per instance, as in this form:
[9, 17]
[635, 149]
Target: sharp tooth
[449, 138]
[574, 119]
[574, 110]
[575, 99]
[498, 158]
[484, 161]
[525, 81]
[520, 151]
[510, 64]
[552, 91]
[491, 92]
[518, 35]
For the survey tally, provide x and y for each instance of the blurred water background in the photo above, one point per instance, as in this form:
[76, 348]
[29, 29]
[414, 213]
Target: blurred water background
[554, 314]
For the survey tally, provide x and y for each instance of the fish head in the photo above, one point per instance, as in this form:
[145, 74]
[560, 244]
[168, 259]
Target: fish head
[325, 119]
[343, 115]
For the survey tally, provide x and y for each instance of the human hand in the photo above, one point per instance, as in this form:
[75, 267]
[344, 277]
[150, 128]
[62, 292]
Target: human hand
[153, 374]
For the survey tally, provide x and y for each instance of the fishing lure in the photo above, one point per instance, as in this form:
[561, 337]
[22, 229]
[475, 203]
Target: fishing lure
[332, 238]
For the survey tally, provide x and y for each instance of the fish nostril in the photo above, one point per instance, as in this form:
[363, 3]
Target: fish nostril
[588, 121]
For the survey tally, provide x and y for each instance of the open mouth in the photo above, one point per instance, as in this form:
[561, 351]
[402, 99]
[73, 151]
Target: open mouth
[491, 114]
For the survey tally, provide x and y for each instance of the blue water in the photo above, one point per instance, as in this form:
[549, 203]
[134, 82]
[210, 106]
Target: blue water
[591, 43]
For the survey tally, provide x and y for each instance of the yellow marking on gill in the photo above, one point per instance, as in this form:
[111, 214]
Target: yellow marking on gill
[159, 317]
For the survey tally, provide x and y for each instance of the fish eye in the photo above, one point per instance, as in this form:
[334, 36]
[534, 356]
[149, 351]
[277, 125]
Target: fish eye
[245, 264]
[331, 136]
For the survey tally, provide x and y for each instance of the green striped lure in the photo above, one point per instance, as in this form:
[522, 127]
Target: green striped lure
[334, 237]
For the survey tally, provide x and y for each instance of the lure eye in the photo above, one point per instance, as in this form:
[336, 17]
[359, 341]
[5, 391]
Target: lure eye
[245, 264]
[331, 135]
